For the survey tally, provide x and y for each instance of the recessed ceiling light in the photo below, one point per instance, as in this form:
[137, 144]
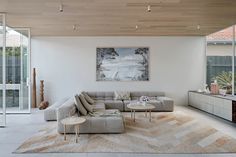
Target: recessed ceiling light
[149, 8]
[198, 27]
[136, 27]
[75, 27]
[61, 8]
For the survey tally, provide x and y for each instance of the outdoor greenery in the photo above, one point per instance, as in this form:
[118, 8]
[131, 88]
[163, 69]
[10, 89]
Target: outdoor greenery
[12, 51]
[224, 80]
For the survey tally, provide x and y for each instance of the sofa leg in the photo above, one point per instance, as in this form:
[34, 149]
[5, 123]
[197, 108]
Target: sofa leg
[64, 132]
[134, 115]
[150, 115]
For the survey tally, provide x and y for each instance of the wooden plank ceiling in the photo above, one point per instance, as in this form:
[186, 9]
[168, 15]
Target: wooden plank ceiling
[120, 17]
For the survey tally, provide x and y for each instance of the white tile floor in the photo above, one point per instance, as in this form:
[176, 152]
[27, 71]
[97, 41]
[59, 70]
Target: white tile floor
[21, 126]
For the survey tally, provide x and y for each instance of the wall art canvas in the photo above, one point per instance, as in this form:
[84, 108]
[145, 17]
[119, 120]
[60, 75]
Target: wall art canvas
[123, 64]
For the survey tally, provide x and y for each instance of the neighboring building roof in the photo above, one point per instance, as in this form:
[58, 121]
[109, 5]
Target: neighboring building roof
[223, 35]
[13, 40]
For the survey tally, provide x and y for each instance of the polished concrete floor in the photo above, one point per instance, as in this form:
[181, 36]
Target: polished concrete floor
[21, 126]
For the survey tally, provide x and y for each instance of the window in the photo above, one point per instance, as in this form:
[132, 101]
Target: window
[219, 57]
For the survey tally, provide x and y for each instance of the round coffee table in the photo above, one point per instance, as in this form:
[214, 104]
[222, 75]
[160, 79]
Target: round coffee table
[146, 108]
[75, 121]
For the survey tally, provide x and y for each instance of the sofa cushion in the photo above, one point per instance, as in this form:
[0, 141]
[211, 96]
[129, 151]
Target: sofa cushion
[98, 106]
[122, 95]
[101, 95]
[166, 100]
[114, 104]
[86, 105]
[80, 106]
[88, 98]
[136, 95]
[154, 102]
[112, 124]
[99, 101]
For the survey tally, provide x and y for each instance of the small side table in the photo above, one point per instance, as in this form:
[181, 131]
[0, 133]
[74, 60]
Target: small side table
[75, 121]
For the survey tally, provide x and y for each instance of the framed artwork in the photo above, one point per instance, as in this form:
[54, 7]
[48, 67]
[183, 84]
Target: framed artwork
[122, 64]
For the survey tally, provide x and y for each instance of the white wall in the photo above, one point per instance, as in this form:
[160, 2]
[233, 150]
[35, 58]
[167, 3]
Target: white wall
[219, 50]
[68, 65]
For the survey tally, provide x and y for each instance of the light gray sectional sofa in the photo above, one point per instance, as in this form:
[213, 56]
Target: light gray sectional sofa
[105, 101]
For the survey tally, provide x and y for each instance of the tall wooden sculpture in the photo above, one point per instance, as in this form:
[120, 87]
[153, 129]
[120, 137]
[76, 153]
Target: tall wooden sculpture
[34, 98]
[43, 104]
[41, 91]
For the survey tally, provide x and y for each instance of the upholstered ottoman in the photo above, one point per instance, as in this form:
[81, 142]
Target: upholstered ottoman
[110, 124]
[93, 124]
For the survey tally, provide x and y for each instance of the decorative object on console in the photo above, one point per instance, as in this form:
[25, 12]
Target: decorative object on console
[224, 80]
[122, 95]
[206, 89]
[43, 105]
[122, 64]
[199, 91]
[34, 98]
[214, 87]
[41, 91]
[223, 92]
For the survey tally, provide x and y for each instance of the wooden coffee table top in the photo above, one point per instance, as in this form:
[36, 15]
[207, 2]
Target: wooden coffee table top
[140, 106]
[73, 120]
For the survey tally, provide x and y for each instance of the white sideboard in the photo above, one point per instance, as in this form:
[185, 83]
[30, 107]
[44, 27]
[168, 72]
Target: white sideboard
[223, 107]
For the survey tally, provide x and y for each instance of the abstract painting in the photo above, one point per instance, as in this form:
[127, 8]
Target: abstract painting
[122, 64]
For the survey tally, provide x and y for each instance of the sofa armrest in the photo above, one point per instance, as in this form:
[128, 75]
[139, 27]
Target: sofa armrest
[50, 113]
[166, 102]
[66, 110]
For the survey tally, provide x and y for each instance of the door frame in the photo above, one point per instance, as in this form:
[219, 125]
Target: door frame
[4, 70]
[28, 72]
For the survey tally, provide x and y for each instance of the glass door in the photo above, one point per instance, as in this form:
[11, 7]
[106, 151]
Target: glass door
[17, 70]
[2, 70]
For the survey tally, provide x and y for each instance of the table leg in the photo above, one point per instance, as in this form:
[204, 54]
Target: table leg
[134, 115]
[131, 114]
[76, 133]
[64, 132]
[145, 113]
[150, 116]
[124, 122]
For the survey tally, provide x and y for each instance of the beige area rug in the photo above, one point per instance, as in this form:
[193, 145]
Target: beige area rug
[174, 132]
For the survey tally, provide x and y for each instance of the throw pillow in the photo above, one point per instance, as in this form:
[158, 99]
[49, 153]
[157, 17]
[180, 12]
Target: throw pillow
[80, 106]
[122, 95]
[86, 105]
[88, 98]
